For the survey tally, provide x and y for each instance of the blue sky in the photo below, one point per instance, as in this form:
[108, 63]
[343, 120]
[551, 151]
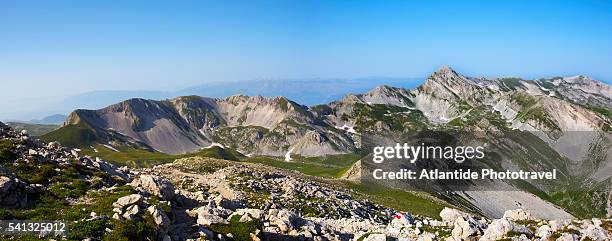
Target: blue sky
[53, 49]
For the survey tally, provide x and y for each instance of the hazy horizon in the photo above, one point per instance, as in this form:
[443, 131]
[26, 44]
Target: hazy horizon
[343, 86]
[95, 99]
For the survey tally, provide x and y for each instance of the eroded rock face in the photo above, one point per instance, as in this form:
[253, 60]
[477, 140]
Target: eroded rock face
[284, 219]
[231, 204]
[517, 215]
[15, 193]
[249, 212]
[131, 212]
[110, 169]
[210, 214]
[593, 230]
[467, 228]
[450, 215]
[500, 228]
[128, 200]
[161, 219]
[543, 232]
[155, 185]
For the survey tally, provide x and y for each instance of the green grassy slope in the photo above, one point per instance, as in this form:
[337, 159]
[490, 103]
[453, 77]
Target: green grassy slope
[332, 166]
[418, 203]
[33, 129]
[142, 158]
[79, 135]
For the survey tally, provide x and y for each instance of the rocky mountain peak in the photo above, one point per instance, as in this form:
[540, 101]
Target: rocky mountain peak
[187, 98]
[577, 79]
[73, 118]
[446, 72]
[590, 85]
[445, 69]
[240, 98]
[579, 89]
[134, 107]
[349, 99]
[381, 90]
[131, 102]
[282, 100]
[234, 98]
[447, 77]
[449, 85]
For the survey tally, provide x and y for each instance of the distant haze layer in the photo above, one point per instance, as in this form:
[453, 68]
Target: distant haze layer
[304, 91]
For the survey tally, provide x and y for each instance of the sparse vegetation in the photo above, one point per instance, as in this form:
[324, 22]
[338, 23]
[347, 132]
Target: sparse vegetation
[129, 156]
[603, 111]
[124, 230]
[462, 106]
[87, 228]
[547, 83]
[142, 158]
[582, 204]
[398, 119]
[441, 232]
[37, 174]
[415, 203]
[283, 104]
[6, 151]
[332, 166]
[241, 231]
[531, 111]
[322, 109]
[52, 207]
[538, 114]
[509, 84]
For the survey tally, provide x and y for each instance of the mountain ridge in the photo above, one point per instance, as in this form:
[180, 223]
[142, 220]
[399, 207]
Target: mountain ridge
[444, 96]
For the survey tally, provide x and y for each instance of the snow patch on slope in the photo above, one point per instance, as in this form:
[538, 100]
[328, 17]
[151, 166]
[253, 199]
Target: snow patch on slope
[213, 145]
[110, 147]
[349, 129]
[288, 155]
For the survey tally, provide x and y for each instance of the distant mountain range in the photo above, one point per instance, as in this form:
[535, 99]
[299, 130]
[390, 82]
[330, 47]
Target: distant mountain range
[187, 123]
[38, 127]
[305, 91]
[52, 119]
[56, 119]
[545, 116]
